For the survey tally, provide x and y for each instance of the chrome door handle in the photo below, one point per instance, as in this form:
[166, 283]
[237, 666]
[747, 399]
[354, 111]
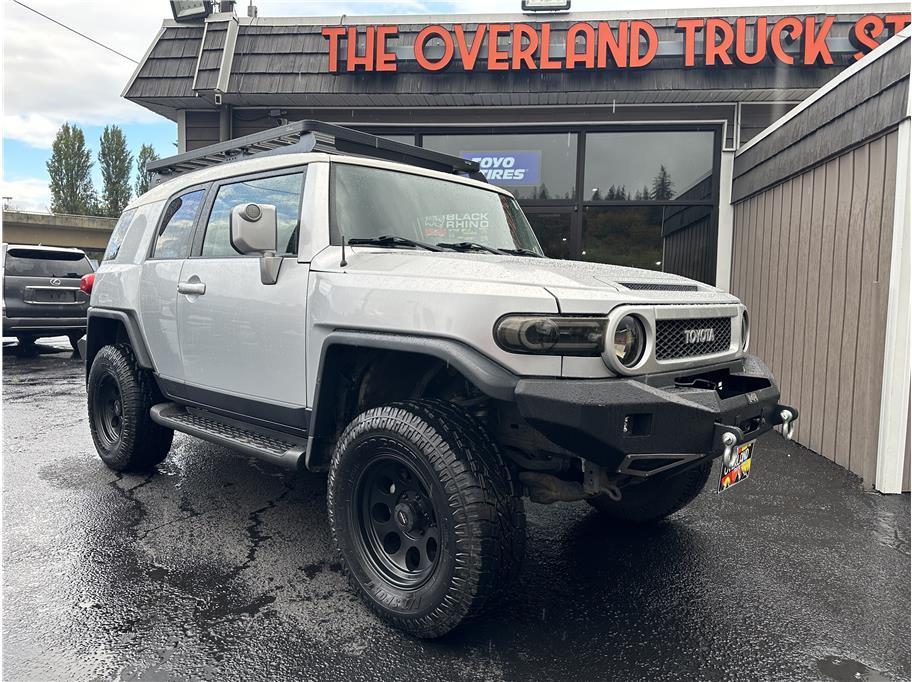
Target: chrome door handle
[191, 288]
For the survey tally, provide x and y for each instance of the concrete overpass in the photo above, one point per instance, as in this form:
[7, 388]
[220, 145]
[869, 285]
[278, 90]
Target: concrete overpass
[89, 233]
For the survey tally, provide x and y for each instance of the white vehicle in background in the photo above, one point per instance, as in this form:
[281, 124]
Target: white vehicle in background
[336, 301]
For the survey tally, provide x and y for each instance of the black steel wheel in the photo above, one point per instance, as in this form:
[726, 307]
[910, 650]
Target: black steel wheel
[425, 515]
[120, 395]
[108, 410]
[397, 521]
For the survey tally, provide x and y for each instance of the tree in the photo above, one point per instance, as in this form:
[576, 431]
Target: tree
[662, 186]
[143, 179]
[116, 163]
[70, 173]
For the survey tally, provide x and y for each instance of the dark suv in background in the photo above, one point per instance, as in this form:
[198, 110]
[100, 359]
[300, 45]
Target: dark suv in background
[42, 294]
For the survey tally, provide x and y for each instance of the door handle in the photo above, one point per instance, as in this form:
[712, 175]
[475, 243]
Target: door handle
[191, 288]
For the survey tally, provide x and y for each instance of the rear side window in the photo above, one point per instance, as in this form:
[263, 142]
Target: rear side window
[117, 236]
[173, 239]
[282, 191]
[41, 263]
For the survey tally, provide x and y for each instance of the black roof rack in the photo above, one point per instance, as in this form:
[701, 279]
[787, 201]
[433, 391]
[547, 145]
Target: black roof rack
[310, 136]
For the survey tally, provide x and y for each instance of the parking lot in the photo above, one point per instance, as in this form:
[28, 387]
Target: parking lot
[218, 567]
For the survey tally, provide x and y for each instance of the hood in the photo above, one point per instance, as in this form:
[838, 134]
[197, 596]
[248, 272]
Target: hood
[566, 280]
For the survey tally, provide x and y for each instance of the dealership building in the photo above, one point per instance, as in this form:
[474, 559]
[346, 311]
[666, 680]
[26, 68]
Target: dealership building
[764, 150]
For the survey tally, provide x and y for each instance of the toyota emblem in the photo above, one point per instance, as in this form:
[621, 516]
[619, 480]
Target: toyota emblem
[55, 282]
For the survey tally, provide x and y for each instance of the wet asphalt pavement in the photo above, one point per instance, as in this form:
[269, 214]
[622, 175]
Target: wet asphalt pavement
[218, 567]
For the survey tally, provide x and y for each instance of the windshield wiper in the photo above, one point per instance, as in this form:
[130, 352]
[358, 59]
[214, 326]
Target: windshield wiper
[471, 246]
[523, 252]
[392, 240]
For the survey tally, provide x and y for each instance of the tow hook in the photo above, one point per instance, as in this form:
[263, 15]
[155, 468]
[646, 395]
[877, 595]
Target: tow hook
[788, 423]
[729, 440]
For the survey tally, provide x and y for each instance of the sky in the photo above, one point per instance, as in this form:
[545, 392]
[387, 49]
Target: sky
[51, 76]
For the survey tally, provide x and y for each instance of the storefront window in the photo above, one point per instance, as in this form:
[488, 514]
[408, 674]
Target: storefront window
[531, 166]
[649, 166]
[553, 232]
[647, 237]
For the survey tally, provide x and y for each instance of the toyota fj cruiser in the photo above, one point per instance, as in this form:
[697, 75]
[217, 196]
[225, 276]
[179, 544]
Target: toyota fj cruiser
[328, 300]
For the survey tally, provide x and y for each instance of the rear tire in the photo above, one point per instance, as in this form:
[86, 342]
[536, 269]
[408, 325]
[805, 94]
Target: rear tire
[120, 395]
[26, 341]
[425, 515]
[74, 340]
[651, 501]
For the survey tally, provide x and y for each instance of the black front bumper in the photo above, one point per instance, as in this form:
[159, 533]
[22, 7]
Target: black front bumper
[684, 413]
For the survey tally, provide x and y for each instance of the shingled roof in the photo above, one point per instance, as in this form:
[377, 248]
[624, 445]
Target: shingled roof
[283, 62]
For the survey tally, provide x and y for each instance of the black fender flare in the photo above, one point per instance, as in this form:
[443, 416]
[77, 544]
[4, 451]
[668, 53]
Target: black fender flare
[491, 378]
[130, 324]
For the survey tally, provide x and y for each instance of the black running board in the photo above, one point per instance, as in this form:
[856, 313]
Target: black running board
[266, 444]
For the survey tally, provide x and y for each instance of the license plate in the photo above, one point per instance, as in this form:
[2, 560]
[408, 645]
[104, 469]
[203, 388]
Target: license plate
[740, 467]
[51, 296]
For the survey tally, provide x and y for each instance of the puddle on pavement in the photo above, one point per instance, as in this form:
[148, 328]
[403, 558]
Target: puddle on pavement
[847, 670]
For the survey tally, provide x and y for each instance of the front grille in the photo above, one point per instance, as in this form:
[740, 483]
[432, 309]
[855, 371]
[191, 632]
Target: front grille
[658, 286]
[677, 339]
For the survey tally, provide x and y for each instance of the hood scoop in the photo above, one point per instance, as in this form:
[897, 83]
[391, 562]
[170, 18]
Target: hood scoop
[658, 286]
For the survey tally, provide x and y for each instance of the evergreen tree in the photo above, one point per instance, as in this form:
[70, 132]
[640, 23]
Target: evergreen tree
[662, 186]
[70, 173]
[596, 195]
[116, 163]
[143, 179]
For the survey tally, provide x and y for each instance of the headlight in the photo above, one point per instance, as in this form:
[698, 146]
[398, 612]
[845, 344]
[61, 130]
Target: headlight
[629, 341]
[745, 331]
[559, 335]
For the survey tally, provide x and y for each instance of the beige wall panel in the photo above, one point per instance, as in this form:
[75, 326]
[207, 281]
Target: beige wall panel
[811, 260]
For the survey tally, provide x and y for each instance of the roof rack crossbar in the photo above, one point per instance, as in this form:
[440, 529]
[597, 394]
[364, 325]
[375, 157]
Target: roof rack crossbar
[308, 136]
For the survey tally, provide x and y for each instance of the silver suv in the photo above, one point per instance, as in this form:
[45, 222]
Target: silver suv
[327, 300]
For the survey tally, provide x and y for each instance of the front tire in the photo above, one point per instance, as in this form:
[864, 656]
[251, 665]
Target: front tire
[74, 340]
[120, 395]
[425, 515]
[651, 501]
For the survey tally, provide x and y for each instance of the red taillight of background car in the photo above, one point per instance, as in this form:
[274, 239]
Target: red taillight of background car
[85, 284]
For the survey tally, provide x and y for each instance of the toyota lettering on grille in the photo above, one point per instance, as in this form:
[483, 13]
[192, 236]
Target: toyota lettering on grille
[699, 335]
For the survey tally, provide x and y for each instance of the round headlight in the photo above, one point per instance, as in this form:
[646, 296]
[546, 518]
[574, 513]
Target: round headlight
[629, 341]
[745, 331]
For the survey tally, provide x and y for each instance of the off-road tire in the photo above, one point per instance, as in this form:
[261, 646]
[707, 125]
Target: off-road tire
[479, 513]
[26, 341]
[74, 340]
[140, 444]
[652, 501]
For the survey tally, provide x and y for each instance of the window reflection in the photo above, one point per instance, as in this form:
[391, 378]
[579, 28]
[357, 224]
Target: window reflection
[648, 166]
[553, 232]
[669, 238]
[532, 166]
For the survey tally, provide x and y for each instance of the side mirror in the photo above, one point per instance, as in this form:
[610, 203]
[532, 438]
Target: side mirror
[253, 230]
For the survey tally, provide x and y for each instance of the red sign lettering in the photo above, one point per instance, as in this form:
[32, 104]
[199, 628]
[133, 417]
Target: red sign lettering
[603, 45]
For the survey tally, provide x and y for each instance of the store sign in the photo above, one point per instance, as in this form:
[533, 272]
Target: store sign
[508, 168]
[801, 41]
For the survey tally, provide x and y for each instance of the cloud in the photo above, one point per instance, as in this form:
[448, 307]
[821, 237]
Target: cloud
[27, 194]
[53, 76]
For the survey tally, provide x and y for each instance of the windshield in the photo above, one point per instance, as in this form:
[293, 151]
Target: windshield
[370, 202]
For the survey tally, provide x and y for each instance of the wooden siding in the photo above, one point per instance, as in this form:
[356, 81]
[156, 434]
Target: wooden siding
[811, 260]
[202, 129]
[861, 107]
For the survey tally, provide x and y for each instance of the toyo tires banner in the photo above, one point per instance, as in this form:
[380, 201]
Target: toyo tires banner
[508, 167]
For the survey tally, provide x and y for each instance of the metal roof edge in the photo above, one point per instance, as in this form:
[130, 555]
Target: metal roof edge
[883, 49]
[515, 17]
